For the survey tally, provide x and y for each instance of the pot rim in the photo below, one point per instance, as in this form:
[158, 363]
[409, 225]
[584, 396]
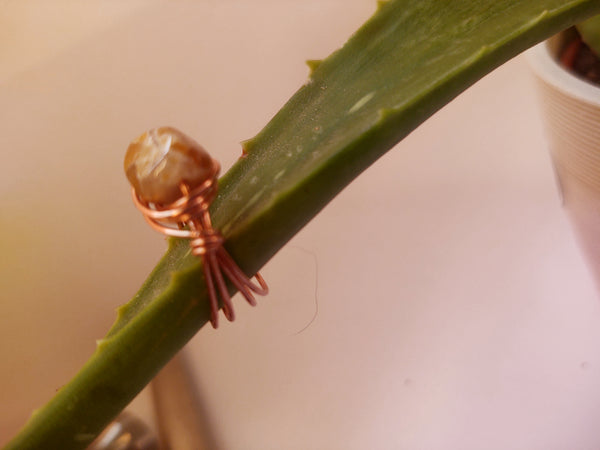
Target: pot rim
[548, 69]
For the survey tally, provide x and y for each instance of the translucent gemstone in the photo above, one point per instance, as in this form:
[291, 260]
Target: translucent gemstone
[159, 161]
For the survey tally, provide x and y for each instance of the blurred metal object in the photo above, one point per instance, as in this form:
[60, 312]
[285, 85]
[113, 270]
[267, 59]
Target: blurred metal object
[182, 418]
[126, 432]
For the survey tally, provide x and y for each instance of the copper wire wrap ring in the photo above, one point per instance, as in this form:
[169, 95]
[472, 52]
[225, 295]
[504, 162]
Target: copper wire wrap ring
[189, 218]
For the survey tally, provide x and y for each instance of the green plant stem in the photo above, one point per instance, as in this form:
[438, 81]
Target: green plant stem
[407, 61]
[590, 32]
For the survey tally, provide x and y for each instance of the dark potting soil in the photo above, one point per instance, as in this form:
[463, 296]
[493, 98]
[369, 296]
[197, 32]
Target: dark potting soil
[581, 59]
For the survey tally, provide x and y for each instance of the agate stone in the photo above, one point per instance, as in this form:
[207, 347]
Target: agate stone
[159, 161]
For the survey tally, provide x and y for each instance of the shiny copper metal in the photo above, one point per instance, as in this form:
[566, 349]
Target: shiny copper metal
[189, 218]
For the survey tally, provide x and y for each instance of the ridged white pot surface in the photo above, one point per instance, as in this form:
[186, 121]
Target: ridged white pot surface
[571, 109]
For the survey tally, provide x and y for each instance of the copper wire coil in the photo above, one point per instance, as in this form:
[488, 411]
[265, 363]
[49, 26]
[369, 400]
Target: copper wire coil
[167, 219]
[189, 218]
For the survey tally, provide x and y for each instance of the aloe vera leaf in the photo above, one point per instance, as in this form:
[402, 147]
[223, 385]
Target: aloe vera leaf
[407, 61]
[590, 32]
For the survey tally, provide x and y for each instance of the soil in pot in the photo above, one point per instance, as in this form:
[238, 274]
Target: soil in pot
[579, 58]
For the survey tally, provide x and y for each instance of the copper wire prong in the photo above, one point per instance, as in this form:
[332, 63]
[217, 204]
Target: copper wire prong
[240, 280]
[212, 297]
[220, 282]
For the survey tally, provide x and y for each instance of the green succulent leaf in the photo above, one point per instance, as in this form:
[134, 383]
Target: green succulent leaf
[590, 32]
[401, 66]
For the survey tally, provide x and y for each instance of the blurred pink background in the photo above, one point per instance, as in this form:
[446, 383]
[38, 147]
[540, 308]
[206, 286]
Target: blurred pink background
[465, 319]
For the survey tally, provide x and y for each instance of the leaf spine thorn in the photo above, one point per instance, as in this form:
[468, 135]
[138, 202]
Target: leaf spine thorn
[313, 64]
[381, 4]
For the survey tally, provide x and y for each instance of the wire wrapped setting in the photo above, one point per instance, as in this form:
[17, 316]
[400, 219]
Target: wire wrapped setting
[189, 218]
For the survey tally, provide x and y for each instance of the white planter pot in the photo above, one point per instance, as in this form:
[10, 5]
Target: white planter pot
[571, 110]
